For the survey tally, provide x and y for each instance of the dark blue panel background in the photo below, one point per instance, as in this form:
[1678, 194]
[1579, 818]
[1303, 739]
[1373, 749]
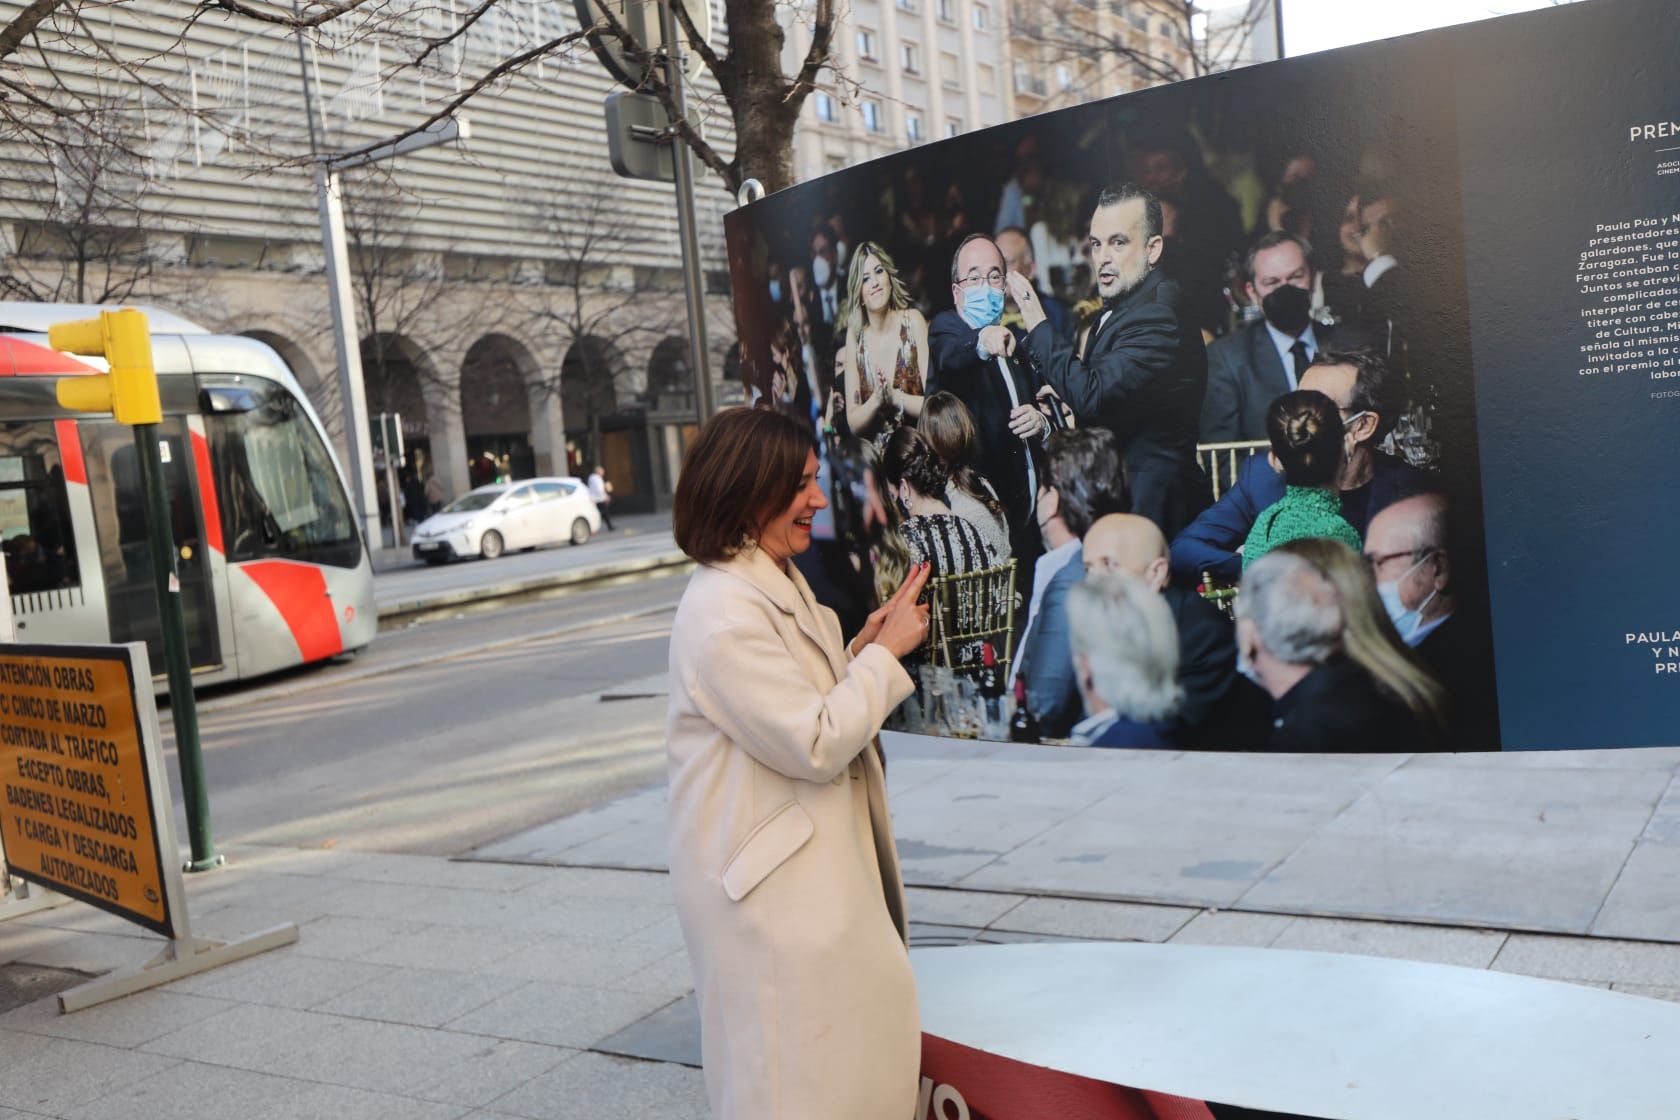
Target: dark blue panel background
[1581, 475]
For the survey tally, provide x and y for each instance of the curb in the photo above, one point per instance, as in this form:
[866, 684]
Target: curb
[658, 564]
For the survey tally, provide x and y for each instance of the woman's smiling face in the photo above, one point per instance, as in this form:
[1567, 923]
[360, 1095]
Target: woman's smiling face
[789, 533]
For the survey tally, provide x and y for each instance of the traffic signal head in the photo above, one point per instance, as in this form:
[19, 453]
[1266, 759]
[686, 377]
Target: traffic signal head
[130, 390]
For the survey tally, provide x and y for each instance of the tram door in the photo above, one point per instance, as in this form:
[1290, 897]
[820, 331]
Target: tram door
[113, 466]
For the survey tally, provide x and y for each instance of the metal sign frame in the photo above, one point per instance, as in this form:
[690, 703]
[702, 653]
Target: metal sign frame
[183, 954]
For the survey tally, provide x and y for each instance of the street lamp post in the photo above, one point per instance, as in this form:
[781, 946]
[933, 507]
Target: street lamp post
[340, 298]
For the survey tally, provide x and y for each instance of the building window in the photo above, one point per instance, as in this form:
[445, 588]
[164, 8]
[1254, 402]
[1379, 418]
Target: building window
[827, 111]
[913, 127]
[948, 69]
[906, 5]
[837, 163]
[872, 115]
[910, 58]
[1028, 82]
[987, 77]
[953, 126]
[1138, 19]
[1165, 29]
[982, 17]
[866, 45]
[1064, 78]
[947, 11]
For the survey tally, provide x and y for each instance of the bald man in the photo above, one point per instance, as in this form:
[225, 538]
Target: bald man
[1221, 710]
[1406, 548]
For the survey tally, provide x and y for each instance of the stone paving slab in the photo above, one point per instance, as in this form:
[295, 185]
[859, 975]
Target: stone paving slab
[616, 1089]
[200, 1091]
[1591, 959]
[1645, 902]
[1527, 849]
[1200, 831]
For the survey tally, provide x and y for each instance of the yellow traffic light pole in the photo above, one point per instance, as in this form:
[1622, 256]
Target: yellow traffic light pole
[130, 393]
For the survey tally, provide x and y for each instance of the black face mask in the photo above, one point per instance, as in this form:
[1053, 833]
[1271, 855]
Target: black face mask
[1288, 308]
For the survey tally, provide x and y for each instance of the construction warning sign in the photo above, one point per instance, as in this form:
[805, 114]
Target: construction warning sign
[77, 815]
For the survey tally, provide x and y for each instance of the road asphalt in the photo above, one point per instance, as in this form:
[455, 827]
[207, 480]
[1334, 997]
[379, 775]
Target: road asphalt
[543, 975]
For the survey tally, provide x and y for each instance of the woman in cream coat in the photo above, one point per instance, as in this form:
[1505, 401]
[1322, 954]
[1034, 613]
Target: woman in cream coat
[782, 854]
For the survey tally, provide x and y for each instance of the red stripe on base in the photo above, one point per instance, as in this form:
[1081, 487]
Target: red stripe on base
[70, 451]
[994, 1088]
[299, 593]
[207, 492]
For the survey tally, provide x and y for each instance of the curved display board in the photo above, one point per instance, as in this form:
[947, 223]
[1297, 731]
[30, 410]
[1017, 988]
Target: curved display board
[1419, 298]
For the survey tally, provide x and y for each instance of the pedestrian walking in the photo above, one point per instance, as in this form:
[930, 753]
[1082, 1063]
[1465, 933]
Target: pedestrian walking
[434, 494]
[781, 850]
[600, 492]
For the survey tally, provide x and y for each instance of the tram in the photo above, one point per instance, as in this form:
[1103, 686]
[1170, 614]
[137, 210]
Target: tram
[273, 568]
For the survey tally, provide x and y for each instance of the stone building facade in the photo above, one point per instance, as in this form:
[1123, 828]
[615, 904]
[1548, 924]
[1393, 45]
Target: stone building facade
[515, 298]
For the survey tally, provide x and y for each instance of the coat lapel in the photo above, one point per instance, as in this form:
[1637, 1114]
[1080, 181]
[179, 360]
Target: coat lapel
[792, 595]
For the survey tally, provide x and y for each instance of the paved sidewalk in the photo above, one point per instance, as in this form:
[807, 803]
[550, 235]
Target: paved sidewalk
[490, 986]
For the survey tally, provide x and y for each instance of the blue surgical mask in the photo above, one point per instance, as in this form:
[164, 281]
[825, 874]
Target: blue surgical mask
[1405, 621]
[982, 305]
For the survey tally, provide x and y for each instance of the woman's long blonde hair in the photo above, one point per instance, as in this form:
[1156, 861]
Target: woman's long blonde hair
[898, 296]
[1369, 638]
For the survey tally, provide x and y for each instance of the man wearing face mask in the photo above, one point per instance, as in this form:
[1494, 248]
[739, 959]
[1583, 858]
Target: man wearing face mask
[1406, 548]
[1360, 383]
[1249, 368]
[979, 361]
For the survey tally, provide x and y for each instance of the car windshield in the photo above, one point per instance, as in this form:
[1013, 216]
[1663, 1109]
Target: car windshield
[478, 499]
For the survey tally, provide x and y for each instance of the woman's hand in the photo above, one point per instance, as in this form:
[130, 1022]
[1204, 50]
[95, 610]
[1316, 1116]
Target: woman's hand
[908, 591]
[905, 627]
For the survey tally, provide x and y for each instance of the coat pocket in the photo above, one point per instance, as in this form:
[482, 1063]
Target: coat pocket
[766, 848]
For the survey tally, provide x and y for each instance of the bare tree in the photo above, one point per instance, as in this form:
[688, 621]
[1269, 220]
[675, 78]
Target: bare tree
[762, 100]
[592, 307]
[1134, 43]
[88, 201]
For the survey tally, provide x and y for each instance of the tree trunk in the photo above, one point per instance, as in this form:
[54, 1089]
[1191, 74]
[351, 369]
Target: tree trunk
[764, 113]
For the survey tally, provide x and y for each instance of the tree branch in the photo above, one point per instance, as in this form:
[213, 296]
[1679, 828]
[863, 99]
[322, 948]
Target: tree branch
[327, 14]
[24, 23]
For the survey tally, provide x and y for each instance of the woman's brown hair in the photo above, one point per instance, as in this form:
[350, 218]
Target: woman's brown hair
[1369, 638]
[742, 470]
[948, 426]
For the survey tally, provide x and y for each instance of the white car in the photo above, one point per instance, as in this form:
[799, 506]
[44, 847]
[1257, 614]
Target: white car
[494, 519]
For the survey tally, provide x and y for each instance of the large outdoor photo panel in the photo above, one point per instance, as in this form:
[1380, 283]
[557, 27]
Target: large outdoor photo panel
[1483, 228]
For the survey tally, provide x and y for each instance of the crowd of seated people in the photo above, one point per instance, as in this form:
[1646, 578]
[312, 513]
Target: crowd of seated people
[1000, 426]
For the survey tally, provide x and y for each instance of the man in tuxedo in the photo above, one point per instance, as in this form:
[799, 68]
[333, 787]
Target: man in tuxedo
[1083, 481]
[824, 292]
[1144, 368]
[1220, 709]
[978, 360]
[1360, 383]
[1250, 367]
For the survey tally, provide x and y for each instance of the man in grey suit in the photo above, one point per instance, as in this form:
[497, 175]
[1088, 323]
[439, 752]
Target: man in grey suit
[1249, 368]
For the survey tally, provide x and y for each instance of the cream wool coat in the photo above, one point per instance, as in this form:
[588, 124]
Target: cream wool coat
[782, 854]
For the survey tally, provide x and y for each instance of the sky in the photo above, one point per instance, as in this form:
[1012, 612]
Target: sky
[1316, 25]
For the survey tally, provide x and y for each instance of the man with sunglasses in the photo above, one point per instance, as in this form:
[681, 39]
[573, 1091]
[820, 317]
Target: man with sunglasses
[1359, 382]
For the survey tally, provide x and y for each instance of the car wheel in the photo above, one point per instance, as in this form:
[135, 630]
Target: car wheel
[490, 545]
[580, 531]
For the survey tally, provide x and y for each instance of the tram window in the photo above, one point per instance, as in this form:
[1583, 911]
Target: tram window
[279, 493]
[39, 543]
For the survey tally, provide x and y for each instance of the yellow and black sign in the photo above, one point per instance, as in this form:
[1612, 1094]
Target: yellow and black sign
[77, 810]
